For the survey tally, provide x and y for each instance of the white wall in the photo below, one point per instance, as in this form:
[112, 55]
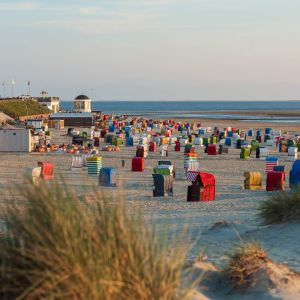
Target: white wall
[53, 106]
[15, 140]
[82, 106]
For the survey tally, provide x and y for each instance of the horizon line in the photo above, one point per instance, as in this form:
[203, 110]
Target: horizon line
[189, 100]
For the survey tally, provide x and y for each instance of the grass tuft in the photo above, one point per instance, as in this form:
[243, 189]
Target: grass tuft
[64, 247]
[281, 207]
[244, 264]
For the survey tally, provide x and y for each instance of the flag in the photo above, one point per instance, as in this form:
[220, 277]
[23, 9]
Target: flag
[13, 82]
[28, 83]
[271, 162]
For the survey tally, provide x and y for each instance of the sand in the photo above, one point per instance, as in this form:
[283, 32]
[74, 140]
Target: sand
[235, 210]
[290, 127]
[277, 113]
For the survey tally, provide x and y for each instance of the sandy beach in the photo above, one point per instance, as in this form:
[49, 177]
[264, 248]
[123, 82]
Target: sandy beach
[290, 127]
[275, 113]
[213, 227]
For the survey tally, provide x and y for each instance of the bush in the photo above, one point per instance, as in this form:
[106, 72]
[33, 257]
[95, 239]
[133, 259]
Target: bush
[244, 263]
[63, 247]
[281, 207]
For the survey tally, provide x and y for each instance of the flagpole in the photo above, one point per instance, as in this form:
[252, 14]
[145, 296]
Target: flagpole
[3, 84]
[12, 87]
[29, 87]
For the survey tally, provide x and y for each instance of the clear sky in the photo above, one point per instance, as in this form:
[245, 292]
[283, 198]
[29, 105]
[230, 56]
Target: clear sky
[152, 49]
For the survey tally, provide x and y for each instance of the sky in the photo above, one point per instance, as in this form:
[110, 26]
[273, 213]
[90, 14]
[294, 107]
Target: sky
[152, 49]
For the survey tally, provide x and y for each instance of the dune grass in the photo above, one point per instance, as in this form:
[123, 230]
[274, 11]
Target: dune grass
[17, 108]
[244, 263]
[281, 207]
[59, 246]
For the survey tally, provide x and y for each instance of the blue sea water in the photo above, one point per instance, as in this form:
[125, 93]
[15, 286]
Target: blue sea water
[196, 109]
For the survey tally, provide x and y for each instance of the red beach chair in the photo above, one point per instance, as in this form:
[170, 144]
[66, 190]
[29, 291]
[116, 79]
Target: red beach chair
[177, 146]
[275, 181]
[103, 133]
[47, 171]
[152, 147]
[203, 187]
[212, 150]
[138, 164]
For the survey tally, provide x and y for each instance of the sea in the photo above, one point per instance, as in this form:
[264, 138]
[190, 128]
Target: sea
[197, 109]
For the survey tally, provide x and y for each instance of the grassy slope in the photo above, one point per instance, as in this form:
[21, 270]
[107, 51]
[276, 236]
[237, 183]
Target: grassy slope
[17, 108]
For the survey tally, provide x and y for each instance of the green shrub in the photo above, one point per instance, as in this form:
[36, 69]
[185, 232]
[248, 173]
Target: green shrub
[281, 207]
[61, 247]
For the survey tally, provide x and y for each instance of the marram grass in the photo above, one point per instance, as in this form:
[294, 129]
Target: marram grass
[245, 261]
[281, 207]
[63, 247]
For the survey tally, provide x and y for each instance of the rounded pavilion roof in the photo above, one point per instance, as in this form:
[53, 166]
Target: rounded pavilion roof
[82, 97]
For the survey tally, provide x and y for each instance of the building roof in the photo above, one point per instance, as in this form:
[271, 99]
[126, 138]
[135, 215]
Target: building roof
[82, 97]
[8, 126]
[5, 118]
[48, 99]
[71, 115]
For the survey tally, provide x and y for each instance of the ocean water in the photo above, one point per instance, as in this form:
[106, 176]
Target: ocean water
[196, 109]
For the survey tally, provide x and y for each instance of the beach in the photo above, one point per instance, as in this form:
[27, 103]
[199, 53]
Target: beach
[290, 127]
[213, 227]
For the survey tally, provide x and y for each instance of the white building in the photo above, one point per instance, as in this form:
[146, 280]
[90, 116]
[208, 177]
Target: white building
[16, 140]
[52, 103]
[82, 103]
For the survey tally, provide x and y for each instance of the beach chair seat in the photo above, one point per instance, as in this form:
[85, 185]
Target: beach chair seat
[77, 161]
[117, 141]
[189, 148]
[183, 142]
[94, 165]
[225, 149]
[47, 170]
[129, 141]
[138, 164]
[177, 146]
[245, 153]
[294, 179]
[152, 146]
[252, 181]
[275, 181]
[293, 152]
[254, 145]
[163, 185]
[211, 149]
[203, 187]
[107, 177]
[141, 151]
[263, 153]
[33, 174]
